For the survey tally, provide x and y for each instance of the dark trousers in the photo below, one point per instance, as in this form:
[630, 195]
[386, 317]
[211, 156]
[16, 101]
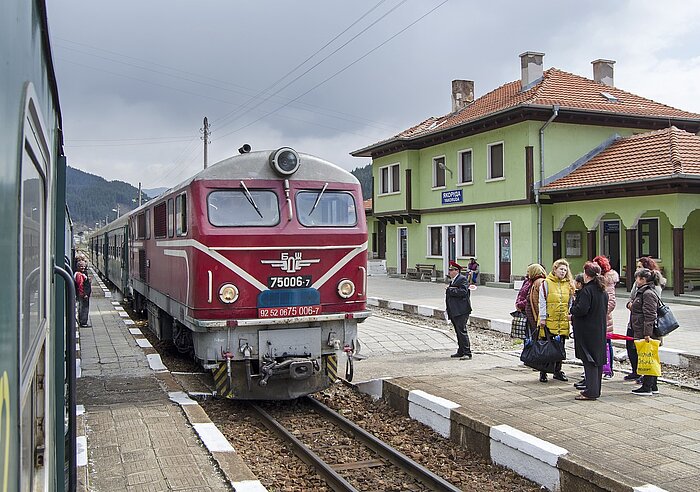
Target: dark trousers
[460, 324]
[593, 375]
[649, 382]
[631, 350]
[83, 310]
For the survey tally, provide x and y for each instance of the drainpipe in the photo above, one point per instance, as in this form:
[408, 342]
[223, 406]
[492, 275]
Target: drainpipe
[555, 112]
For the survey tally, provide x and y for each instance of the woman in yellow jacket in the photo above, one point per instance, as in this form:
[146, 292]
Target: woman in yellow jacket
[556, 296]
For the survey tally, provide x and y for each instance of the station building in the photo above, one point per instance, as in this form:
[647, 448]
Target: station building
[552, 165]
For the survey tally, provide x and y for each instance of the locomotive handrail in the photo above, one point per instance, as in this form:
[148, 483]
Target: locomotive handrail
[216, 323]
[70, 375]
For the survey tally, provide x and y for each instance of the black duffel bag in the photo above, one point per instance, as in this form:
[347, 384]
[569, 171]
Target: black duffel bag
[542, 354]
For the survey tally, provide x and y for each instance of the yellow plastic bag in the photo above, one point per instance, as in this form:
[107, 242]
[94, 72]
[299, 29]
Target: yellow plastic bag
[648, 363]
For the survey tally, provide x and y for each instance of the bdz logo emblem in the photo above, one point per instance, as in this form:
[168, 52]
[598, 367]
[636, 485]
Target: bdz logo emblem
[290, 264]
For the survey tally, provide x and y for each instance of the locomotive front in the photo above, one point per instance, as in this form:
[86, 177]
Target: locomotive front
[280, 273]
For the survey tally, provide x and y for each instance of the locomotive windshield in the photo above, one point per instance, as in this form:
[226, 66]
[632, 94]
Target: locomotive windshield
[324, 208]
[243, 208]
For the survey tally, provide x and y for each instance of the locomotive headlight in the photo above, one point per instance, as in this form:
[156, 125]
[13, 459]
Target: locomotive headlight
[346, 288]
[228, 293]
[284, 161]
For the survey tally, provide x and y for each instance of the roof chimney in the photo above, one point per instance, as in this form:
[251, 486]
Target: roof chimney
[462, 94]
[530, 68]
[603, 71]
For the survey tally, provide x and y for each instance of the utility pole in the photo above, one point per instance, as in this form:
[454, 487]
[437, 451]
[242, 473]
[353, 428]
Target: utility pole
[139, 193]
[205, 136]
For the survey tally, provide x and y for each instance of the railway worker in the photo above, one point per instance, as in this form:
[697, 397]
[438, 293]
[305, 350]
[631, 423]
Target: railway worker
[459, 308]
[83, 290]
[556, 295]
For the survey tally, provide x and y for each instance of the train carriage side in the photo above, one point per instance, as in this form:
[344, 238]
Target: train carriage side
[261, 275]
[32, 205]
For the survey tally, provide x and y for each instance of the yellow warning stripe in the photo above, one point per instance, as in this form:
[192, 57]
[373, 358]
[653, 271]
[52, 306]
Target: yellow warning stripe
[221, 381]
[332, 367]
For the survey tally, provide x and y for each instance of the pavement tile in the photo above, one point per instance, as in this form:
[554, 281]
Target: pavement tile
[144, 477]
[186, 481]
[140, 455]
[159, 486]
[138, 466]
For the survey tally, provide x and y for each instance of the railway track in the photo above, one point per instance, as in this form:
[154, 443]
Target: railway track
[320, 444]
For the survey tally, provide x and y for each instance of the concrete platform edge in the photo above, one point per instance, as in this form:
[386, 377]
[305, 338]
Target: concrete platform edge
[540, 461]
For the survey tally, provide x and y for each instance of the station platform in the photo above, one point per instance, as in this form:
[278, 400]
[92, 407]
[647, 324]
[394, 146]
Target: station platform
[137, 430]
[497, 407]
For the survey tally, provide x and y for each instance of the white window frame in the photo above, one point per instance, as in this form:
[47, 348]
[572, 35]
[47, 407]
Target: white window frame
[489, 178]
[459, 240]
[443, 232]
[658, 237]
[460, 176]
[393, 188]
[437, 169]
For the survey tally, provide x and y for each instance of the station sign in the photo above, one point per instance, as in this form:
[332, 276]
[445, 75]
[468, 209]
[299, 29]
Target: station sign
[453, 196]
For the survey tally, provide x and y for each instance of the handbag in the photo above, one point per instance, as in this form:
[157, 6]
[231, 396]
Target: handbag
[519, 325]
[537, 353]
[648, 363]
[665, 320]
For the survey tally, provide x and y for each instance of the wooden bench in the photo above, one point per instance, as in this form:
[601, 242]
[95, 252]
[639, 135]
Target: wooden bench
[691, 278]
[425, 271]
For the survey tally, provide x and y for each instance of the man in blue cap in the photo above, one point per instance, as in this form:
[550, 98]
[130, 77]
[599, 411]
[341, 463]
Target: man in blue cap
[459, 308]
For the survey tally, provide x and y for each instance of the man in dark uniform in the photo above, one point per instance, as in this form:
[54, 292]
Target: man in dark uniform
[459, 308]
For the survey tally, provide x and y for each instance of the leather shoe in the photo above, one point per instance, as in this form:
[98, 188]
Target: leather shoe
[466, 357]
[584, 398]
[457, 355]
[543, 377]
[560, 376]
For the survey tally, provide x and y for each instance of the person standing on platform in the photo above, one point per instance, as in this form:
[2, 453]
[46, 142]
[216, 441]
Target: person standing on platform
[589, 317]
[535, 272]
[83, 290]
[556, 295]
[459, 308]
[611, 278]
[643, 313]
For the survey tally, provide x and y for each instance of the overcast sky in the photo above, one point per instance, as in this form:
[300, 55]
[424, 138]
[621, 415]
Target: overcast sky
[326, 77]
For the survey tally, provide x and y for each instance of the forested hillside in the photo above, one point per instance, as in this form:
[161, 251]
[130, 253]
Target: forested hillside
[91, 198]
[364, 176]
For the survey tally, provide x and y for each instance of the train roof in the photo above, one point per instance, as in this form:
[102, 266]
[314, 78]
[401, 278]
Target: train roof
[255, 165]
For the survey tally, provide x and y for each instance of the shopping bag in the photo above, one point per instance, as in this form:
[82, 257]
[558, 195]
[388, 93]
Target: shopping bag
[648, 363]
[538, 352]
[665, 321]
[518, 326]
[607, 367]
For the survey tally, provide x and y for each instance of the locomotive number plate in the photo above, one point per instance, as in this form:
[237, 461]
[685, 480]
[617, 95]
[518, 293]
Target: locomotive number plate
[288, 281]
[288, 311]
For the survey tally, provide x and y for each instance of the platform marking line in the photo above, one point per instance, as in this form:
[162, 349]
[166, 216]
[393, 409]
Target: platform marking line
[212, 438]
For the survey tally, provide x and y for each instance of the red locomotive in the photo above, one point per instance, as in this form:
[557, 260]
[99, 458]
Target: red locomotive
[256, 266]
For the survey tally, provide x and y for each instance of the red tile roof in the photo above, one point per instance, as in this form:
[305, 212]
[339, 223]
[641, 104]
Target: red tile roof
[666, 153]
[567, 90]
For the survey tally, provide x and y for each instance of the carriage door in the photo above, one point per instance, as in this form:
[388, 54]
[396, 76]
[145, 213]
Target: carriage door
[611, 242]
[381, 240]
[403, 249]
[504, 250]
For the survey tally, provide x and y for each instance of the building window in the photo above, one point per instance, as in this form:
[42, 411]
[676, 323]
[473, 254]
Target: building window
[648, 237]
[181, 214]
[495, 156]
[439, 172]
[467, 235]
[465, 167]
[435, 241]
[389, 179]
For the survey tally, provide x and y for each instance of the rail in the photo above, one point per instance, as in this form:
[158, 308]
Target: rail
[334, 480]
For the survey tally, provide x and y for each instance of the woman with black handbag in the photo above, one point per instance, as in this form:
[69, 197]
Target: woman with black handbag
[589, 317]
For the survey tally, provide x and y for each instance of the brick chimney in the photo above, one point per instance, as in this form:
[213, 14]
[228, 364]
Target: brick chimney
[603, 71]
[462, 94]
[530, 68]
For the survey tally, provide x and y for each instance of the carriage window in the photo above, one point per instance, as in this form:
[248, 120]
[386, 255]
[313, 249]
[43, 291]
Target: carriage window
[141, 225]
[33, 295]
[326, 208]
[235, 208]
[171, 218]
[181, 215]
[160, 220]
[148, 223]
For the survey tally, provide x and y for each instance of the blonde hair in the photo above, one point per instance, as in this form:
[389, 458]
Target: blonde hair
[560, 262]
[535, 270]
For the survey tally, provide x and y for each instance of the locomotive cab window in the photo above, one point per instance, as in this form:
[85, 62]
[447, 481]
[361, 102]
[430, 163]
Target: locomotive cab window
[171, 218]
[322, 208]
[181, 215]
[243, 208]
